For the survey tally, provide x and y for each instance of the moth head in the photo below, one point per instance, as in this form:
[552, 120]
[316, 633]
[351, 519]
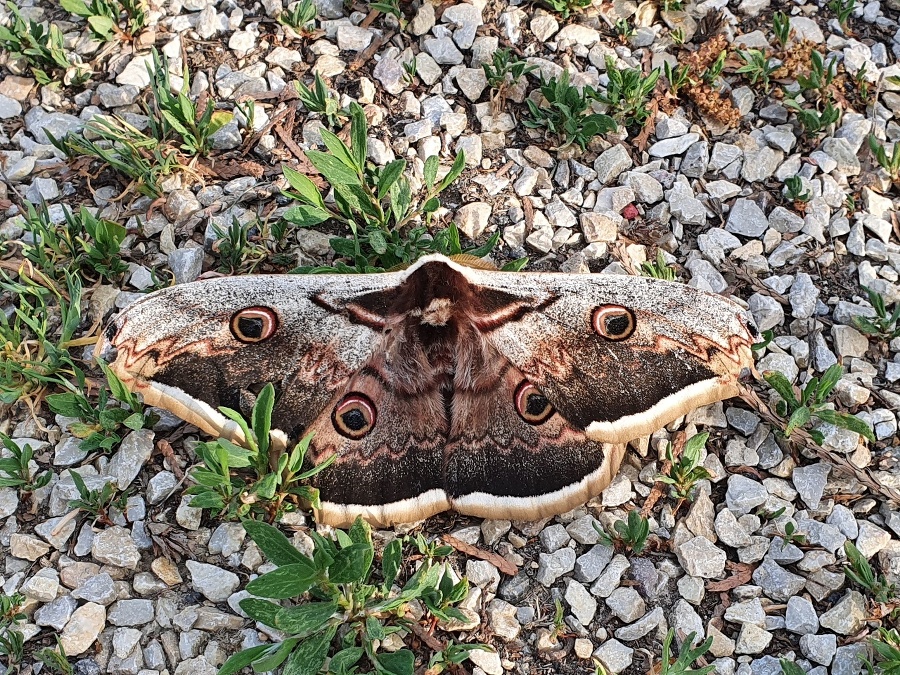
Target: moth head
[531, 404]
[613, 322]
[354, 416]
[254, 324]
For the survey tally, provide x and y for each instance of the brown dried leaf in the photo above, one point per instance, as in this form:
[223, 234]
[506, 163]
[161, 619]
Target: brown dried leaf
[740, 575]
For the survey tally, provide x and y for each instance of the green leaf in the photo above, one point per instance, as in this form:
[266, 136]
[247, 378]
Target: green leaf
[358, 135]
[101, 25]
[340, 151]
[261, 610]
[262, 416]
[334, 171]
[305, 619]
[306, 216]
[288, 581]
[391, 560]
[274, 544]
[780, 383]
[374, 629]
[135, 421]
[207, 500]
[266, 487]
[846, 421]
[242, 659]
[64, 404]
[309, 656]
[378, 242]
[799, 419]
[831, 377]
[351, 564]
[304, 187]
[218, 120]
[389, 175]
[77, 7]
[458, 165]
[345, 659]
[400, 662]
[430, 171]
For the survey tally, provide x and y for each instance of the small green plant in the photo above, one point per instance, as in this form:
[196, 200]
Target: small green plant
[794, 190]
[659, 269]
[377, 204]
[757, 66]
[450, 656]
[300, 16]
[103, 17]
[813, 121]
[99, 423]
[624, 30]
[35, 338]
[781, 27]
[767, 516]
[179, 113]
[885, 325]
[812, 404]
[566, 7]
[677, 77]
[672, 5]
[12, 642]
[566, 113]
[247, 110]
[83, 243]
[678, 36]
[143, 159]
[236, 251]
[55, 659]
[272, 482]
[860, 572]
[886, 644]
[391, 8]
[686, 656]
[97, 503]
[343, 594]
[319, 100]
[714, 71]
[791, 536]
[891, 164]
[503, 73]
[686, 471]
[767, 337]
[627, 93]
[628, 534]
[842, 10]
[559, 623]
[821, 76]
[43, 48]
[791, 668]
[15, 471]
[410, 70]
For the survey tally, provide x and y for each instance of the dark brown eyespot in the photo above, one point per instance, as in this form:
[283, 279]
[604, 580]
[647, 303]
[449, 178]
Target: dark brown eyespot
[613, 322]
[354, 417]
[531, 404]
[254, 324]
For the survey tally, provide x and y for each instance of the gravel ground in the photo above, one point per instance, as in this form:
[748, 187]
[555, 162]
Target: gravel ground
[704, 186]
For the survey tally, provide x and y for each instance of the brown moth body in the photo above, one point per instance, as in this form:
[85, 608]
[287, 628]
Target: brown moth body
[502, 395]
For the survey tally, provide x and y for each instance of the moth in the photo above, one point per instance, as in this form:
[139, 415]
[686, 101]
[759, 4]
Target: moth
[442, 386]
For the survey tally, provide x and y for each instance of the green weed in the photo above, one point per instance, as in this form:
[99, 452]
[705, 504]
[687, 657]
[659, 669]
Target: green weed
[821, 76]
[813, 121]
[891, 164]
[567, 113]
[103, 16]
[98, 502]
[812, 404]
[686, 656]
[504, 73]
[300, 16]
[12, 642]
[627, 93]
[235, 250]
[794, 190]
[885, 325]
[258, 480]
[55, 659]
[43, 48]
[318, 99]
[886, 644]
[677, 77]
[757, 67]
[860, 572]
[565, 8]
[659, 269]
[35, 339]
[16, 471]
[781, 27]
[842, 10]
[100, 422]
[343, 595]
[628, 535]
[686, 471]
